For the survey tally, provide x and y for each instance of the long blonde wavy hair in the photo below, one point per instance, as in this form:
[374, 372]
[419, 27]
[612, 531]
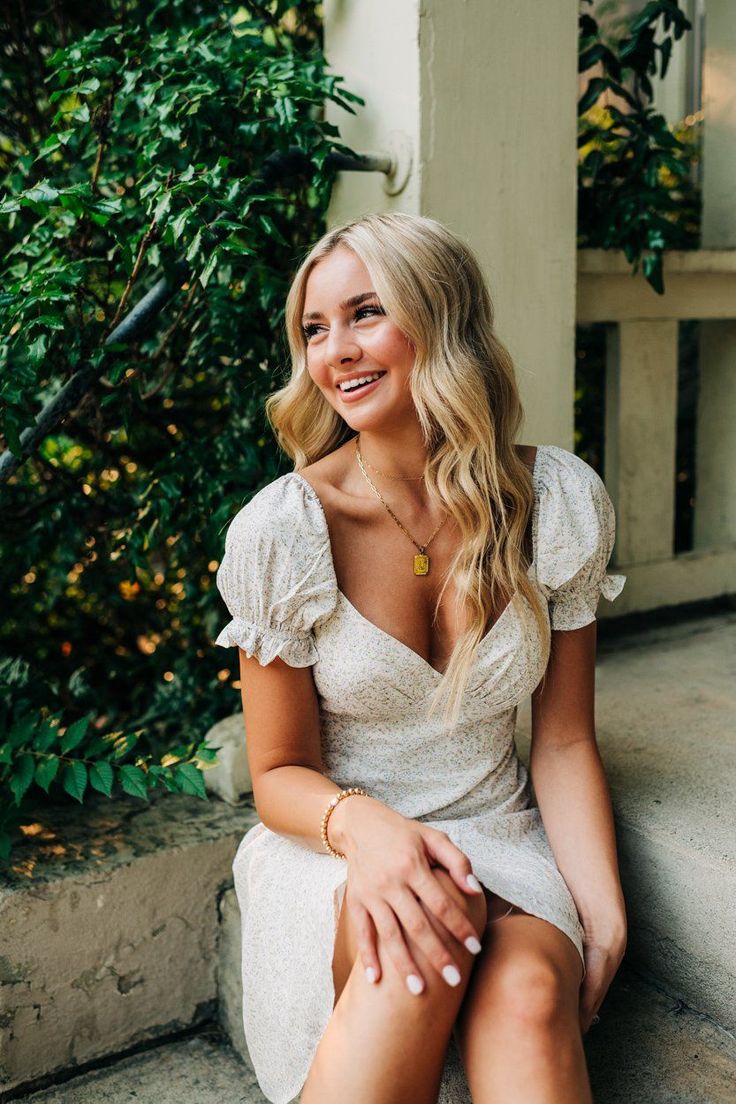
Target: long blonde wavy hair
[464, 389]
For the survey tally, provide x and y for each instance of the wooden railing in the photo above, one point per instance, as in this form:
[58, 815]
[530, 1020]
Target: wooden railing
[641, 421]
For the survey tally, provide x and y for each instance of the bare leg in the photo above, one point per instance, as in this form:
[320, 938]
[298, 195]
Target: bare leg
[518, 1030]
[383, 1045]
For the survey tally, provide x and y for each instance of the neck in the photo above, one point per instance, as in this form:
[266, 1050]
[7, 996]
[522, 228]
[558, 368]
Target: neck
[400, 455]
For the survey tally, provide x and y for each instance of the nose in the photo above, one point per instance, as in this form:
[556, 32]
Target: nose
[341, 347]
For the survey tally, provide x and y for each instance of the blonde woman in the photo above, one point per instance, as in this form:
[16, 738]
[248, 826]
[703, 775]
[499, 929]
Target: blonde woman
[416, 925]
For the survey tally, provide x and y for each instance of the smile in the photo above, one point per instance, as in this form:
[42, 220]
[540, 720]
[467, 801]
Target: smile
[358, 389]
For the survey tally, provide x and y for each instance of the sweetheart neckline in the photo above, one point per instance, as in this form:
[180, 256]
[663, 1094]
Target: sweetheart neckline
[395, 640]
[377, 628]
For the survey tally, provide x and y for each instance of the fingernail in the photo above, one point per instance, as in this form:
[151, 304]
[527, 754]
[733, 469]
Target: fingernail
[414, 984]
[473, 944]
[371, 973]
[474, 883]
[451, 974]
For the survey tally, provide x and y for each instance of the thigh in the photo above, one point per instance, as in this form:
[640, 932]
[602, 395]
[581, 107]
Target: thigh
[345, 951]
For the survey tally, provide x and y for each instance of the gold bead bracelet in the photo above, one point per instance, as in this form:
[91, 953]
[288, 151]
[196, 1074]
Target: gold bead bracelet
[328, 813]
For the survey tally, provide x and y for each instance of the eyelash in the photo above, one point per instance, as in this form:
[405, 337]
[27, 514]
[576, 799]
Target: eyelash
[311, 328]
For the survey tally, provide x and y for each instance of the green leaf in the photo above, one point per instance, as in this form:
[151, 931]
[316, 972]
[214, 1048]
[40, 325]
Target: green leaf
[74, 779]
[46, 736]
[101, 777]
[74, 734]
[46, 771]
[270, 227]
[22, 776]
[178, 224]
[194, 246]
[86, 87]
[162, 206]
[43, 192]
[52, 143]
[133, 780]
[190, 779]
[207, 754]
[36, 351]
[209, 268]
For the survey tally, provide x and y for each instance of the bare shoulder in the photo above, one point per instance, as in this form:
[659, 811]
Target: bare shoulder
[329, 475]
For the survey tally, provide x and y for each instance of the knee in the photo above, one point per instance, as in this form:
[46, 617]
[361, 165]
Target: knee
[530, 992]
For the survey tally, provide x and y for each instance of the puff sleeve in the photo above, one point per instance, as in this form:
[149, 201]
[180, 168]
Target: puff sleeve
[276, 576]
[576, 529]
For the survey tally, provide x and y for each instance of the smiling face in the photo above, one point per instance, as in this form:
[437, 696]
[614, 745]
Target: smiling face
[349, 335]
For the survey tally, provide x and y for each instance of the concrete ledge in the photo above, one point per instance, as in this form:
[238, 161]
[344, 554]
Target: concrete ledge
[665, 709]
[109, 923]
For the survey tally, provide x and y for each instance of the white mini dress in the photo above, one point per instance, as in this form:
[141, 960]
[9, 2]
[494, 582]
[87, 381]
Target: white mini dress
[278, 581]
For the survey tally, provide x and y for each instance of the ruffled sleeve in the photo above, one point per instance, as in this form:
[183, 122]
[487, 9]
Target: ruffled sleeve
[576, 529]
[277, 577]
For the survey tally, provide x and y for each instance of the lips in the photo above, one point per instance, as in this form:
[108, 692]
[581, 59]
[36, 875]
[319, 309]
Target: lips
[356, 393]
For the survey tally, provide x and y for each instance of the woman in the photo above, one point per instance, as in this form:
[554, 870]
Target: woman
[416, 555]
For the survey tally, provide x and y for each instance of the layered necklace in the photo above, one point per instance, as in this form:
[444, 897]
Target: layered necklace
[421, 560]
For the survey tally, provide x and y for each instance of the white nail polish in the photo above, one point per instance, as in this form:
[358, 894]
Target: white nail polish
[473, 944]
[414, 984]
[451, 974]
[473, 882]
[371, 974]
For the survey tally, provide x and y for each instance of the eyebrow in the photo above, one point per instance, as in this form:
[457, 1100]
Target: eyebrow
[353, 301]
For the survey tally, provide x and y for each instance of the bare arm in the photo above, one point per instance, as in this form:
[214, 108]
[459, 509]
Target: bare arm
[574, 800]
[290, 789]
[570, 783]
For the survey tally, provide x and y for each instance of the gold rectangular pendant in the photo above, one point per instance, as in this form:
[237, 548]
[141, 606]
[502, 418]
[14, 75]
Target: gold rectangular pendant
[421, 564]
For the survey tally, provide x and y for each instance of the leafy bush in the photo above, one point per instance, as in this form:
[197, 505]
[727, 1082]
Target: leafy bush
[136, 125]
[635, 187]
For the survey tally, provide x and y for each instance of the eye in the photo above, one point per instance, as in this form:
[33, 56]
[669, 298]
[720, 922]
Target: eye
[311, 328]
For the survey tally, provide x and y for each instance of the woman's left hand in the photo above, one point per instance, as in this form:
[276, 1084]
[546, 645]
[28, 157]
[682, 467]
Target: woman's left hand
[602, 959]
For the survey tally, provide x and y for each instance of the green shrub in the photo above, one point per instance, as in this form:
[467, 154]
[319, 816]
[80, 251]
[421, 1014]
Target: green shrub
[138, 125]
[635, 181]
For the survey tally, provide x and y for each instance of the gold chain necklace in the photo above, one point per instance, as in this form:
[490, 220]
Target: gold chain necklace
[385, 474]
[421, 561]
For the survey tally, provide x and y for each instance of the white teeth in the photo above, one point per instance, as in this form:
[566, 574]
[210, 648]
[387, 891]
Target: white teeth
[352, 384]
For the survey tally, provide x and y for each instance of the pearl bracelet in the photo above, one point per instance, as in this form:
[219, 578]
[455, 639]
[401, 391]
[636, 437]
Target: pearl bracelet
[328, 813]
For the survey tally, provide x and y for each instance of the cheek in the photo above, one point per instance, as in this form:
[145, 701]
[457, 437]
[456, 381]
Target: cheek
[400, 356]
[317, 368]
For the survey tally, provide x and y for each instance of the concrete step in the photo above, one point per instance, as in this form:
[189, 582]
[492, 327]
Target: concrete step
[647, 1049]
[665, 709]
[110, 923]
[202, 1069]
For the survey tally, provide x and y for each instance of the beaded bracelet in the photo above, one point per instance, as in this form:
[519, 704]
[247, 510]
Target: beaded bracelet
[328, 813]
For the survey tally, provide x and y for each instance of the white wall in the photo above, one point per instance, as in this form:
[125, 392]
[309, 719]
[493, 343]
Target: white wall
[485, 92]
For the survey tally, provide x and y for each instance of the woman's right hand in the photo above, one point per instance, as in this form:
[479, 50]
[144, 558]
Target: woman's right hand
[391, 884]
